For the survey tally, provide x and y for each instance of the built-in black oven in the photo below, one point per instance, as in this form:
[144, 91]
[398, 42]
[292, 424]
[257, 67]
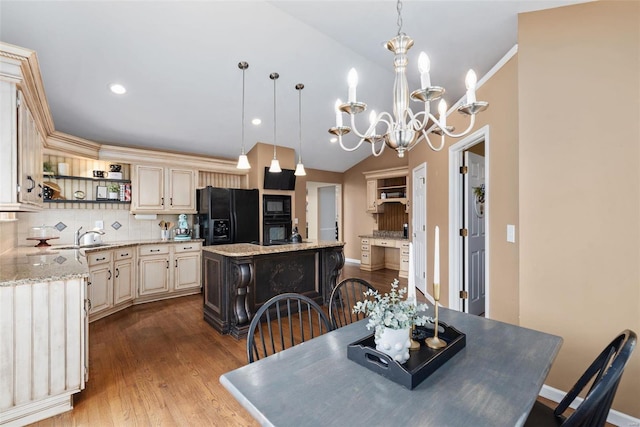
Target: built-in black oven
[274, 232]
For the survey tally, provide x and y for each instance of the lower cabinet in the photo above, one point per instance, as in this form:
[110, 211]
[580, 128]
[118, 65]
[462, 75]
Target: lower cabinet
[168, 270]
[111, 281]
[121, 277]
[44, 344]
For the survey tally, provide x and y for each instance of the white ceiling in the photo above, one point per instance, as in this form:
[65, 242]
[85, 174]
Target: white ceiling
[179, 59]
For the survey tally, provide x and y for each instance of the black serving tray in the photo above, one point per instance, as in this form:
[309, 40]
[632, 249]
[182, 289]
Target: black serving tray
[422, 362]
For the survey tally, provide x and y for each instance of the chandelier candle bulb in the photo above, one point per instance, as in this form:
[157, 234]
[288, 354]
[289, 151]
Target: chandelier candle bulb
[442, 110]
[436, 260]
[424, 65]
[338, 113]
[352, 80]
[470, 81]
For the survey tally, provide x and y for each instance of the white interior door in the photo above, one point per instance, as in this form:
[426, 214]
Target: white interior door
[327, 213]
[474, 265]
[419, 227]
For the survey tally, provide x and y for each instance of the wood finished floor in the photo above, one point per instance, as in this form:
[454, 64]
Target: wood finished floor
[159, 363]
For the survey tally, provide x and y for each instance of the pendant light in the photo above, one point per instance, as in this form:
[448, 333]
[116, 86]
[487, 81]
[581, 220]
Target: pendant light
[300, 167]
[243, 161]
[275, 164]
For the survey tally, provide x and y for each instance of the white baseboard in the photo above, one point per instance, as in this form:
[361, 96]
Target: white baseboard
[615, 417]
[352, 261]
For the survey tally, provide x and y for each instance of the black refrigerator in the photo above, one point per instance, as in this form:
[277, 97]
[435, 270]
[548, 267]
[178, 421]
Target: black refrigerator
[228, 215]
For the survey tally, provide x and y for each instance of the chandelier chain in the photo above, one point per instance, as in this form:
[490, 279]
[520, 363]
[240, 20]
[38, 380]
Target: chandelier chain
[399, 22]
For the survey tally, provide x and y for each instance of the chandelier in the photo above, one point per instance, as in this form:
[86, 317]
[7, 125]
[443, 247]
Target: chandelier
[405, 128]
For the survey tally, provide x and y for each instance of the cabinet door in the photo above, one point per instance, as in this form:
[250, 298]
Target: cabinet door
[372, 195]
[123, 281]
[148, 188]
[182, 190]
[187, 270]
[154, 275]
[29, 157]
[100, 288]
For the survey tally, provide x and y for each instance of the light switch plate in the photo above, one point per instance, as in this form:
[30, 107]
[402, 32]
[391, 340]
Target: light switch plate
[99, 224]
[511, 233]
[295, 221]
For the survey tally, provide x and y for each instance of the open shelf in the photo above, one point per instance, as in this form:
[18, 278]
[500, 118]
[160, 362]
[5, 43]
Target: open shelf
[84, 178]
[88, 201]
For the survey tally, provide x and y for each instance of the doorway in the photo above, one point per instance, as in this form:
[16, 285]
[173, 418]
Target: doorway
[469, 224]
[323, 207]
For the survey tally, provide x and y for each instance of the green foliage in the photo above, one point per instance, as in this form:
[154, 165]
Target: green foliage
[391, 310]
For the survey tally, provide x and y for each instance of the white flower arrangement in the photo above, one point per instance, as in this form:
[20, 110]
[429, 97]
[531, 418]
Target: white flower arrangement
[391, 310]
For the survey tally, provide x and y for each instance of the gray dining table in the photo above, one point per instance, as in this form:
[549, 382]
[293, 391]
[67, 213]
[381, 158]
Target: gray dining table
[493, 381]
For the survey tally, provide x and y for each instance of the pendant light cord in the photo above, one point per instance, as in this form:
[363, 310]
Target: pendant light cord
[299, 87]
[274, 77]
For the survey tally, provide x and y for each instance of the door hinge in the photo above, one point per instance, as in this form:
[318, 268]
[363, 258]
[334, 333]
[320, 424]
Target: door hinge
[464, 232]
[464, 170]
[464, 294]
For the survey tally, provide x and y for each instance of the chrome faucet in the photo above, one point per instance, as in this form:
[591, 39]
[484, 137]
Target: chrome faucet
[78, 236]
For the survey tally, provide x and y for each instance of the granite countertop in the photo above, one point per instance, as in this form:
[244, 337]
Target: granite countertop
[248, 249]
[28, 264]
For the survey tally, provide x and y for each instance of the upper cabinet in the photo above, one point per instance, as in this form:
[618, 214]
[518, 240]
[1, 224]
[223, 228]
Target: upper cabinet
[157, 189]
[21, 146]
[386, 186]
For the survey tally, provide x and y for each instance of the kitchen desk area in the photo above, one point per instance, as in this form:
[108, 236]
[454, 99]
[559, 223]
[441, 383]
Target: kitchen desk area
[384, 250]
[239, 278]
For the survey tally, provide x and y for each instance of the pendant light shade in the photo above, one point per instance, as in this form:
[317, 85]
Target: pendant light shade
[243, 161]
[300, 167]
[275, 164]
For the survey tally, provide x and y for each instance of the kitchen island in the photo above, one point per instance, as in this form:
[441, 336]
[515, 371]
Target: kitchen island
[239, 278]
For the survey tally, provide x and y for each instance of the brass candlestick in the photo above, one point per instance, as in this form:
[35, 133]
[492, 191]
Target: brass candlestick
[435, 342]
[415, 345]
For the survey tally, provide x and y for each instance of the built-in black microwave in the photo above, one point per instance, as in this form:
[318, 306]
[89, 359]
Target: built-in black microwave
[276, 206]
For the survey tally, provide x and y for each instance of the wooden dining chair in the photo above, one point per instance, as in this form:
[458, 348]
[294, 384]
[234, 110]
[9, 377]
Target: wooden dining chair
[605, 372]
[343, 297]
[284, 321]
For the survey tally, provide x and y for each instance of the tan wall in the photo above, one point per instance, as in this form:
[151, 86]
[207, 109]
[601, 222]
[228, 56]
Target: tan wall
[356, 220]
[313, 175]
[579, 183]
[502, 116]
[260, 156]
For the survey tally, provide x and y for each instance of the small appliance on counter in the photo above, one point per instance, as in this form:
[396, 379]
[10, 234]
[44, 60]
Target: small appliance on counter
[182, 232]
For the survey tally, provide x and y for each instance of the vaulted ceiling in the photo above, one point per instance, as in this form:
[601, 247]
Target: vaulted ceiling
[178, 60]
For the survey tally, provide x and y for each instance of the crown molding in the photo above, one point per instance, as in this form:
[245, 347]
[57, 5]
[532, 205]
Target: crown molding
[168, 158]
[72, 145]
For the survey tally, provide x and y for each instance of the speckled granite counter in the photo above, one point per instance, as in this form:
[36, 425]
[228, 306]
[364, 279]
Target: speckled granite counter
[28, 264]
[238, 279]
[248, 249]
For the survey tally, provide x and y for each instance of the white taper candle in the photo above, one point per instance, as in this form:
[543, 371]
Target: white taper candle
[436, 257]
[411, 286]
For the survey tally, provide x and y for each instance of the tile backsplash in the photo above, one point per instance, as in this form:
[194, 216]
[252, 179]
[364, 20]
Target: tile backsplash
[119, 225]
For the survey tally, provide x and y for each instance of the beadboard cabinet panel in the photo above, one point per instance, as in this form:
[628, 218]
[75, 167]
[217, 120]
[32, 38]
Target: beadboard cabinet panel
[43, 344]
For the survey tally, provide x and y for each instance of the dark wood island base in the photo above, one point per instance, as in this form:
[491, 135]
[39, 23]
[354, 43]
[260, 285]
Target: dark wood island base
[239, 278]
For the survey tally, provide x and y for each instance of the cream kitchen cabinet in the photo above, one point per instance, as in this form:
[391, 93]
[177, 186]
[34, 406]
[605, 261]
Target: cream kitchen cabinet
[124, 275]
[100, 282]
[111, 281]
[157, 189]
[21, 143]
[187, 271]
[153, 265]
[169, 270]
[44, 344]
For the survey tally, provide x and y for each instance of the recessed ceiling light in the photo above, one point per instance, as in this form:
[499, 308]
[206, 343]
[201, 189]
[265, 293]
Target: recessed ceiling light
[334, 139]
[117, 88]
[256, 122]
